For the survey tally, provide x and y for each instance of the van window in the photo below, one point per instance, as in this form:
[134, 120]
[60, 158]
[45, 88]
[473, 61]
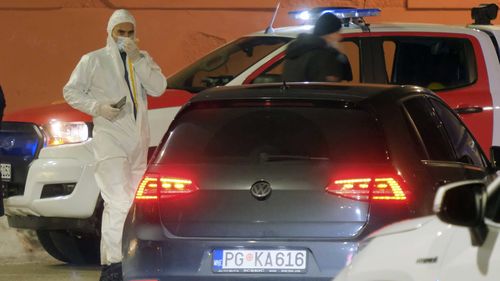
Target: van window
[433, 62]
[224, 64]
[347, 47]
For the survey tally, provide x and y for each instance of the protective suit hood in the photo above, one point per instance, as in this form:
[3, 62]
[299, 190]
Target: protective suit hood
[118, 16]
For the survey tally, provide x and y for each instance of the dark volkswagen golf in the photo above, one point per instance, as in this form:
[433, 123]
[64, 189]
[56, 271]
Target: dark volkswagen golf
[280, 182]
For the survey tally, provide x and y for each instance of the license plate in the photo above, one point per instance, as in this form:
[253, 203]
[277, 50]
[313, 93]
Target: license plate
[5, 171]
[259, 261]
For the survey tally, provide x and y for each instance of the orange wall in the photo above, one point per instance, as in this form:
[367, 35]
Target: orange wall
[42, 40]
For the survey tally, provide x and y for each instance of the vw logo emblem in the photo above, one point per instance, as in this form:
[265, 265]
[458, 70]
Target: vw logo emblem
[261, 190]
[7, 143]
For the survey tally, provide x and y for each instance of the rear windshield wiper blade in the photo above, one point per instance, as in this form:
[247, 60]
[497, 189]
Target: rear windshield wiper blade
[284, 157]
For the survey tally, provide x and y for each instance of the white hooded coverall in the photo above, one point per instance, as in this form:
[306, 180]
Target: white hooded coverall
[120, 146]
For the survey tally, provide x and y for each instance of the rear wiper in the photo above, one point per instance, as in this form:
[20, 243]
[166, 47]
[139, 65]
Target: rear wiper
[264, 157]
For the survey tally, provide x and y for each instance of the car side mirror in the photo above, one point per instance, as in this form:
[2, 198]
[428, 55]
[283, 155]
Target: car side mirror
[495, 157]
[463, 204]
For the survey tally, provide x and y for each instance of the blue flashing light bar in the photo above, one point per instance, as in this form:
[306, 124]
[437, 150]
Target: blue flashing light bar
[304, 15]
[340, 12]
[353, 13]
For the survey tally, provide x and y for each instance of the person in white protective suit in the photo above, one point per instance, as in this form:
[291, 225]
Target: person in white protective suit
[121, 133]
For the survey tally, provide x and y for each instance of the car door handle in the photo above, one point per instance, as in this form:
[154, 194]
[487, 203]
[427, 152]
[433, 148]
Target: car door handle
[469, 110]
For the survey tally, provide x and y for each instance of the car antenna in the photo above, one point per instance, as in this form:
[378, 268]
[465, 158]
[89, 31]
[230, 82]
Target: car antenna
[270, 28]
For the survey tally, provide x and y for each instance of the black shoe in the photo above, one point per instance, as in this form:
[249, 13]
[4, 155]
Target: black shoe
[112, 272]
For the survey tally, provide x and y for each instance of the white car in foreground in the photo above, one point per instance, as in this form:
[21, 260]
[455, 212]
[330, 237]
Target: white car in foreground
[460, 243]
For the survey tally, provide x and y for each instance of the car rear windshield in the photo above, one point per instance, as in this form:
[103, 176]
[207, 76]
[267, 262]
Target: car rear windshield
[247, 131]
[225, 63]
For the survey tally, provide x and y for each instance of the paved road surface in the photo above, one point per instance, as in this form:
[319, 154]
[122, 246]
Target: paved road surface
[48, 271]
[23, 259]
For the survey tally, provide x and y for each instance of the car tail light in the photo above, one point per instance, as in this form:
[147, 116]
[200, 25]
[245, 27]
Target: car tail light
[153, 186]
[385, 188]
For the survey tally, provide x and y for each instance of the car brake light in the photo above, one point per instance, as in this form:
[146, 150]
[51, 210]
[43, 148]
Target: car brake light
[365, 188]
[153, 185]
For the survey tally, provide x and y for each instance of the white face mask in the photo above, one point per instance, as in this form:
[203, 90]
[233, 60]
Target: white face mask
[120, 42]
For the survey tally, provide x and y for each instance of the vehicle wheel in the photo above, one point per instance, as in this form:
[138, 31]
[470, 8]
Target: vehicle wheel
[48, 245]
[77, 249]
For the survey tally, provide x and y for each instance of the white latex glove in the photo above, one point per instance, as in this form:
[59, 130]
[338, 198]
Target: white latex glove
[131, 49]
[107, 111]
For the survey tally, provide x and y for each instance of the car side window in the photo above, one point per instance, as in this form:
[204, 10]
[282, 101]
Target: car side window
[349, 48]
[466, 148]
[437, 63]
[432, 138]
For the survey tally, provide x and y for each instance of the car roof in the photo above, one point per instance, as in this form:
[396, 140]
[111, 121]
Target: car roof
[307, 90]
[294, 31]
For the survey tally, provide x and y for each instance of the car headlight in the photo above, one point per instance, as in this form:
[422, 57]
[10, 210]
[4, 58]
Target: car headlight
[59, 132]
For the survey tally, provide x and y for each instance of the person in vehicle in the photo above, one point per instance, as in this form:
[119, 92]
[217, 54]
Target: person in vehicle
[111, 84]
[315, 57]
